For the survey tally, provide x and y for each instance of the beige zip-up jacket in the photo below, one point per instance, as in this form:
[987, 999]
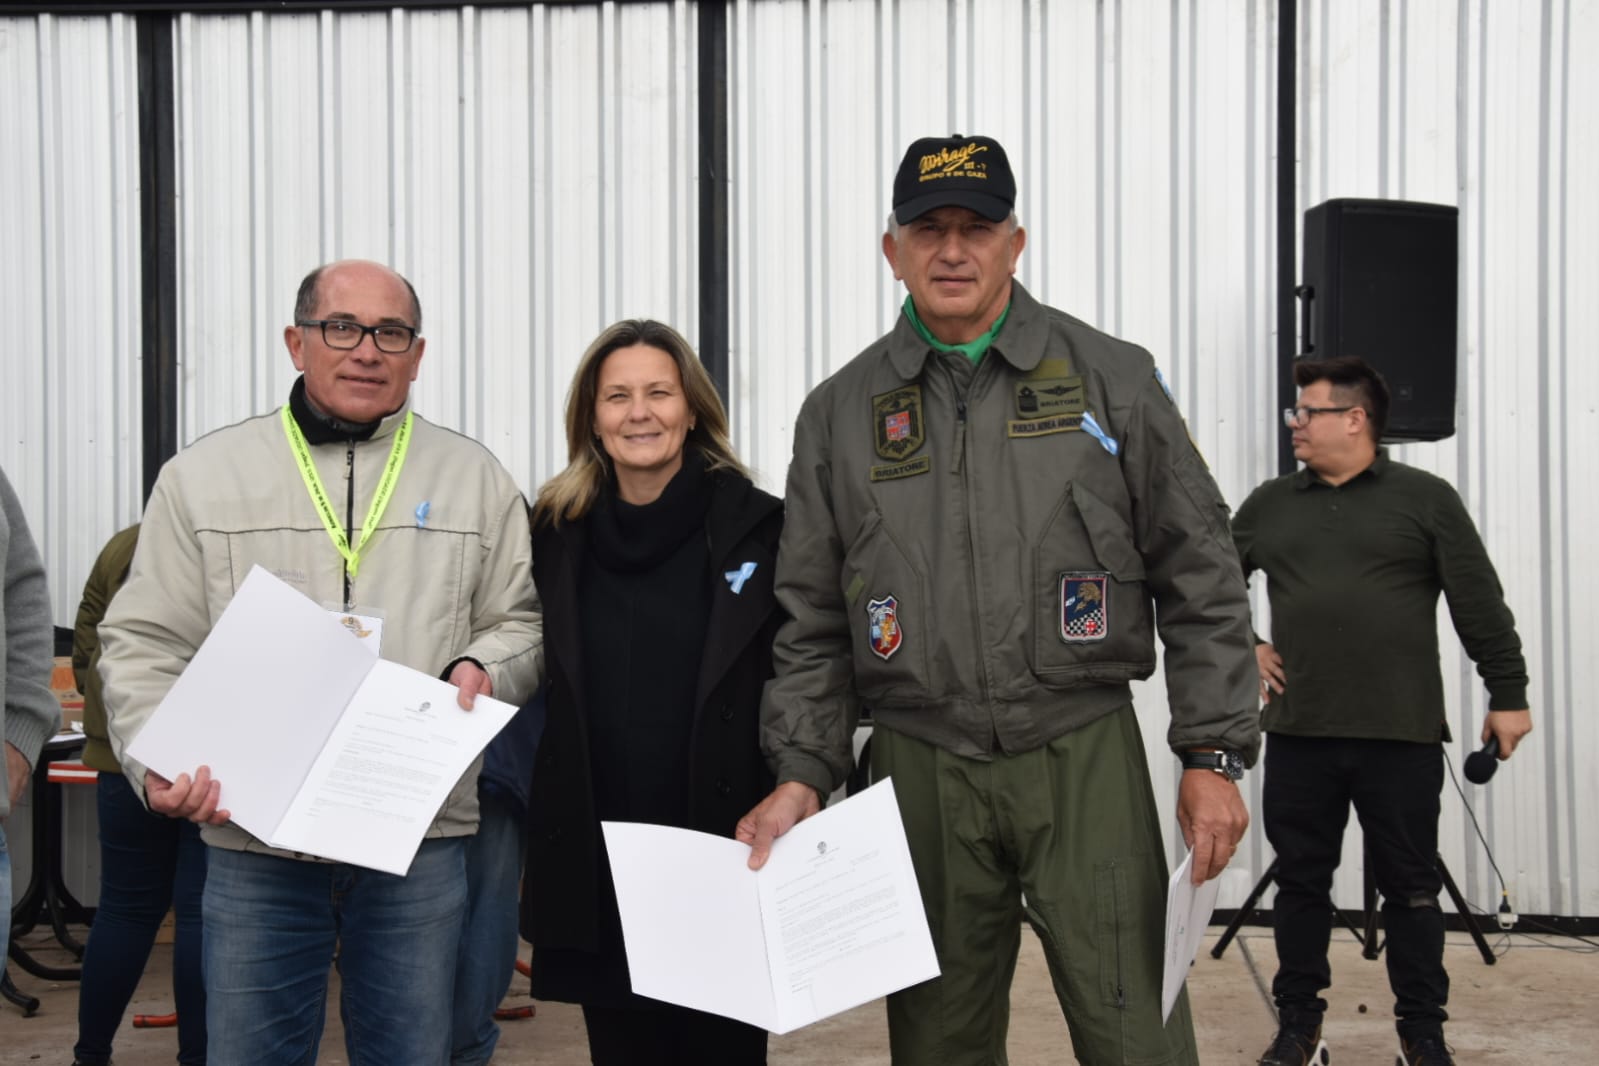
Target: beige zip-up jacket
[449, 568]
[966, 555]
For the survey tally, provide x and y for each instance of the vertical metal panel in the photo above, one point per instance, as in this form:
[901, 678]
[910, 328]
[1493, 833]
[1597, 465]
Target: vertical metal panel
[1141, 135]
[1479, 105]
[1566, 661]
[530, 170]
[69, 285]
[1139, 132]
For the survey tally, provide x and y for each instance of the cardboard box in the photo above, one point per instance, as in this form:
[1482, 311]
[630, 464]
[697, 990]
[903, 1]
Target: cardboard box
[65, 687]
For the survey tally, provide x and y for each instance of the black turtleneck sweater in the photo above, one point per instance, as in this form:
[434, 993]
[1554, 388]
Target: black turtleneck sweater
[320, 427]
[646, 602]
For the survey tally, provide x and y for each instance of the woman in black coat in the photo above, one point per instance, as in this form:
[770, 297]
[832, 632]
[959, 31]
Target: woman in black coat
[653, 554]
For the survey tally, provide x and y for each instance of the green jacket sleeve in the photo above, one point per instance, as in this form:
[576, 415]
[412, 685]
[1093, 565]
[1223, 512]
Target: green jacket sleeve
[1192, 570]
[810, 708]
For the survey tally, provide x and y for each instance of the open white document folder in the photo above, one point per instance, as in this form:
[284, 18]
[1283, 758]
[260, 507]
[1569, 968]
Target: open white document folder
[1188, 908]
[833, 920]
[320, 746]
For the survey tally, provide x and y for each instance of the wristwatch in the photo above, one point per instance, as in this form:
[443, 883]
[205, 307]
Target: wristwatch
[1230, 764]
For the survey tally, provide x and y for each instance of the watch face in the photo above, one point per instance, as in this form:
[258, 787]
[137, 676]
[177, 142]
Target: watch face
[1232, 764]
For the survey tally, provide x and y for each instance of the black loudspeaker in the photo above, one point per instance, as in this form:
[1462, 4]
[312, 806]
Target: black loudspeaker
[1380, 282]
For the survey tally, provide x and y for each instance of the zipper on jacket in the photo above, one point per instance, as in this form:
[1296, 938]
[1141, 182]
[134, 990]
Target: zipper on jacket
[966, 514]
[960, 428]
[350, 531]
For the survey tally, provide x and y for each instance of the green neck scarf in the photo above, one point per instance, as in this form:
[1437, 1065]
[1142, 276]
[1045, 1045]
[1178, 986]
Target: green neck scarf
[972, 350]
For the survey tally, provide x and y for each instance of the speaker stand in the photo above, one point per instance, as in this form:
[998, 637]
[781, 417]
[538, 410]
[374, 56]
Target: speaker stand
[1370, 945]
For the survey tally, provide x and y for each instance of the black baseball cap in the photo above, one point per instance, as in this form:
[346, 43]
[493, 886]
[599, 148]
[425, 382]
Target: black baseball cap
[954, 171]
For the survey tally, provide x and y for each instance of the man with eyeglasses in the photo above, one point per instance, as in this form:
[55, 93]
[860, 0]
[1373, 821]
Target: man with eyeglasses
[371, 510]
[1356, 549]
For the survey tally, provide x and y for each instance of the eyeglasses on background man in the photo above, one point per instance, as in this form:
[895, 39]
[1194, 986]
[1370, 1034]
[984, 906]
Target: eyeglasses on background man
[343, 334]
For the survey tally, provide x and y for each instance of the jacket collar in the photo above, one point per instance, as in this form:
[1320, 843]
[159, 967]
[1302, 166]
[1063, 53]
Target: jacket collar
[739, 561]
[320, 428]
[736, 509]
[1021, 341]
[1304, 478]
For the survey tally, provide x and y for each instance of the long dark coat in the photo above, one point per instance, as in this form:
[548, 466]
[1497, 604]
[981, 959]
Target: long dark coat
[565, 891]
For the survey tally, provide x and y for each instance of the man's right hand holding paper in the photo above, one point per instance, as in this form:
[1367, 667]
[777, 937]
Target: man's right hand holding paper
[195, 799]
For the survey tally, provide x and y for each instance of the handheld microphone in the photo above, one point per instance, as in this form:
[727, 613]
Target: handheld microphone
[1480, 765]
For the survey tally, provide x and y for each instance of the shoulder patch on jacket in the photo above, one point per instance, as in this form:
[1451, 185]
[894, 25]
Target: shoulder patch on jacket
[1160, 379]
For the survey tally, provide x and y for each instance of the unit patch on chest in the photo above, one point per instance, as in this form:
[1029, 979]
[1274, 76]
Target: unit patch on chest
[1084, 607]
[899, 431]
[897, 422]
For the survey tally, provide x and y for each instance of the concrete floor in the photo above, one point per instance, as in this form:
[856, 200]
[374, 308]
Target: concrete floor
[1535, 1005]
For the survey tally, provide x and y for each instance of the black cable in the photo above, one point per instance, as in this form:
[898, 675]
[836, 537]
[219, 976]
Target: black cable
[1504, 892]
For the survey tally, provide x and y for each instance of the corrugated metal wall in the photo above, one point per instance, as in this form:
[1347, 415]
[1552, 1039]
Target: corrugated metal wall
[530, 170]
[534, 171]
[69, 284]
[1488, 106]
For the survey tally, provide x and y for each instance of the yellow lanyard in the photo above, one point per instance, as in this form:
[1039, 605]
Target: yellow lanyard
[319, 494]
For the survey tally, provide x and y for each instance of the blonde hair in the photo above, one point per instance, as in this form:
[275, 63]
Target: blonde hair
[568, 495]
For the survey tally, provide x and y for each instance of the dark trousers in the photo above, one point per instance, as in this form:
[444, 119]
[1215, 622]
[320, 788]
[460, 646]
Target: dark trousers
[148, 862]
[1394, 786]
[489, 940]
[670, 1036]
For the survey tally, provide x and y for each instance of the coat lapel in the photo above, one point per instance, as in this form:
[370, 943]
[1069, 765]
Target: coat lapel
[741, 582]
[559, 558]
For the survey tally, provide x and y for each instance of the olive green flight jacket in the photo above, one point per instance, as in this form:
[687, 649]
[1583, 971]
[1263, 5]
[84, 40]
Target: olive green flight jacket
[982, 557]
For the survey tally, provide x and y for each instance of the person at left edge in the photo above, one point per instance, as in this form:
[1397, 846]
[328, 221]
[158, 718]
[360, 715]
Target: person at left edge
[421, 531]
[28, 712]
[653, 554]
[149, 864]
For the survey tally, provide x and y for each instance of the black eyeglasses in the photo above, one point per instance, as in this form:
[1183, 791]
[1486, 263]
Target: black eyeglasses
[343, 334]
[1294, 417]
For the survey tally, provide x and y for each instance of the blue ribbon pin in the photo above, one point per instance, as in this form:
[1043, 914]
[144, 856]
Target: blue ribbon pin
[736, 578]
[422, 510]
[1093, 429]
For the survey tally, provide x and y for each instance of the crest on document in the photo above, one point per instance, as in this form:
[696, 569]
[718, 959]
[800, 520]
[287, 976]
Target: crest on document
[353, 624]
[1084, 607]
[883, 629]
[897, 422]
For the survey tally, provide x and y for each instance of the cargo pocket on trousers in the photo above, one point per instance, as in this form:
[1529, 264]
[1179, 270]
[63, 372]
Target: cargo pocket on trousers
[1110, 901]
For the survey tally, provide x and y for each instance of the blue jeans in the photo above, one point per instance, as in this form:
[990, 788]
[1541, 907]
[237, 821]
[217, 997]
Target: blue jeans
[5, 896]
[148, 862]
[271, 928]
[489, 941]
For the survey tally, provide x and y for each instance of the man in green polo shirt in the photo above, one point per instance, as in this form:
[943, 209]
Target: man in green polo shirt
[1356, 548]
